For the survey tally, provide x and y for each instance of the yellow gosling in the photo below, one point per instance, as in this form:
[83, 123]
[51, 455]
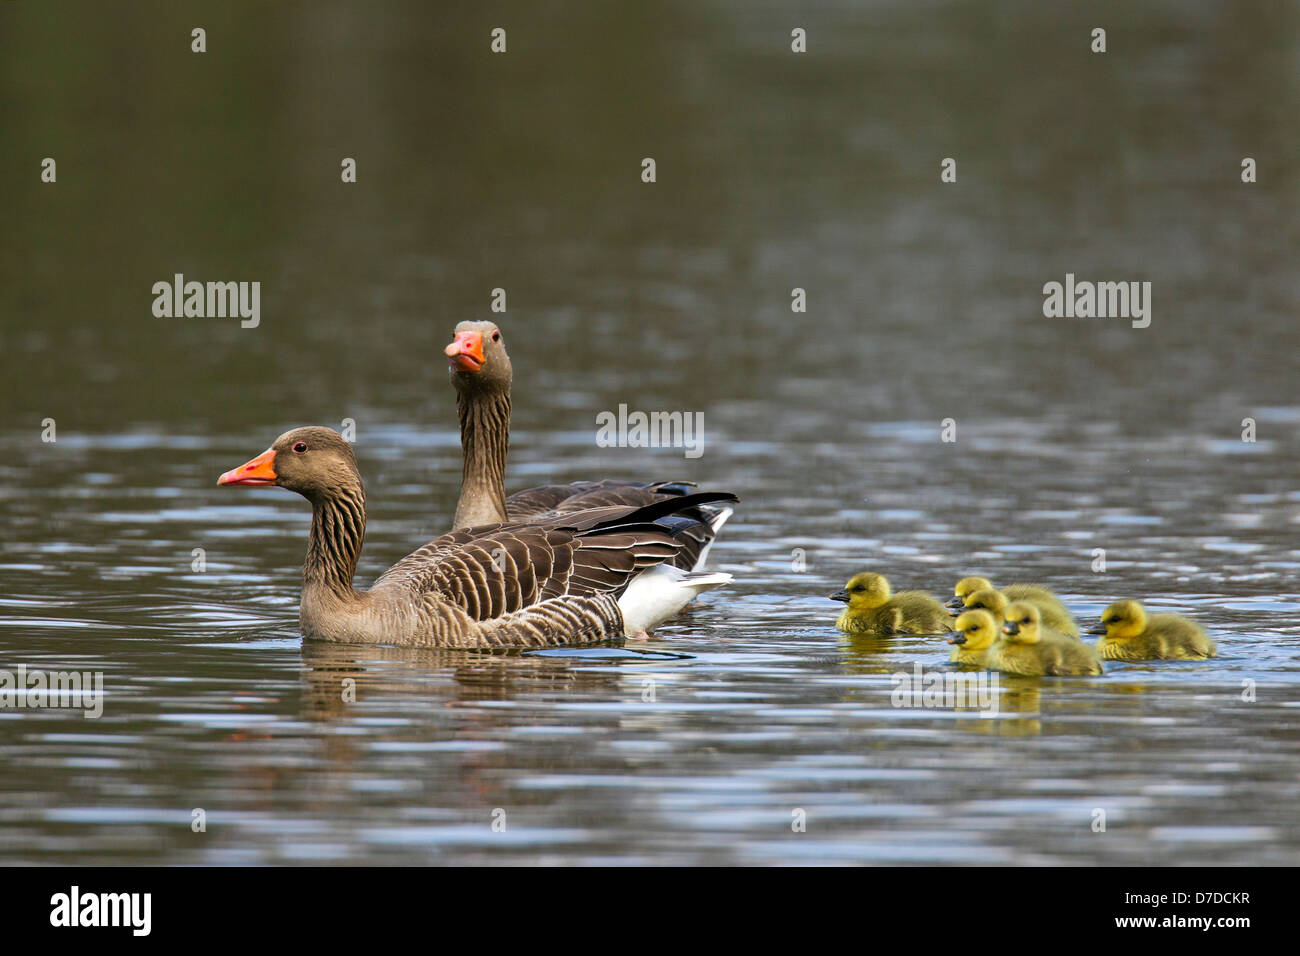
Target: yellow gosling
[974, 634]
[1040, 595]
[1053, 614]
[874, 609]
[964, 589]
[1029, 649]
[1130, 634]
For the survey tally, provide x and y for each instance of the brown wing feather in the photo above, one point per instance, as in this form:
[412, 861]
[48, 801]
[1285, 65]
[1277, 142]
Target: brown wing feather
[590, 502]
[534, 564]
[501, 569]
[532, 503]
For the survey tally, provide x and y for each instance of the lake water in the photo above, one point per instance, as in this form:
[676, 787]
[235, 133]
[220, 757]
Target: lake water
[775, 171]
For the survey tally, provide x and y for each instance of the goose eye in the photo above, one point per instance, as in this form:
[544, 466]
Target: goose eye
[496, 336]
[300, 447]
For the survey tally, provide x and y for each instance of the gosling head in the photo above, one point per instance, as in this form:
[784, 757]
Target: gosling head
[477, 359]
[975, 630]
[316, 462]
[1121, 621]
[966, 587]
[864, 592]
[1021, 623]
[987, 599]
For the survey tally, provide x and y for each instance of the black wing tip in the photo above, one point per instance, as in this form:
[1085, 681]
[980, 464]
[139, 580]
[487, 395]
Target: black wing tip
[669, 506]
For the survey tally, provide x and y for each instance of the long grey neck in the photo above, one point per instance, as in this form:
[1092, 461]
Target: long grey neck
[484, 441]
[338, 528]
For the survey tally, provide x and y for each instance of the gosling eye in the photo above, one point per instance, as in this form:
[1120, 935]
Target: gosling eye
[300, 447]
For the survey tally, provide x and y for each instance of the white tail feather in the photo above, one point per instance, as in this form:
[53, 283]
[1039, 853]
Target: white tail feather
[715, 525]
[659, 593]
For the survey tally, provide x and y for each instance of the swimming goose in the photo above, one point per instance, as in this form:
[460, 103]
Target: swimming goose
[874, 609]
[594, 575]
[1054, 615]
[480, 370]
[1029, 649]
[973, 634]
[1129, 634]
[1042, 596]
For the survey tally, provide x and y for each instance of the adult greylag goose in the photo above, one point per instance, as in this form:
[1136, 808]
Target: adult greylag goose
[593, 575]
[481, 372]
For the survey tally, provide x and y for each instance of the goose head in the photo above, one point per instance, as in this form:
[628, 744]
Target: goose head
[966, 587]
[864, 592]
[1021, 624]
[1121, 621]
[975, 630]
[477, 359]
[315, 462]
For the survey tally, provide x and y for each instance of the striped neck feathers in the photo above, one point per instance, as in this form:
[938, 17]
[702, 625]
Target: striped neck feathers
[338, 528]
[484, 441]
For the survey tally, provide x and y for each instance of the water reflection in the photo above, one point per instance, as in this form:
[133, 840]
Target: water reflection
[340, 675]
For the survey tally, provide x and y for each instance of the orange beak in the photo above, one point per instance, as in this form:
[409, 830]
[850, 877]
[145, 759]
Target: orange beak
[259, 471]
[465, 353]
